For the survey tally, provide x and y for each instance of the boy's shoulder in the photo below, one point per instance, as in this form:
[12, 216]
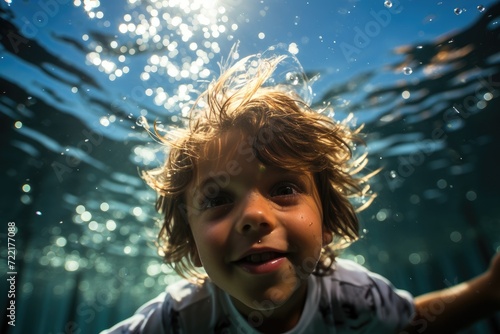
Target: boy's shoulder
[351, 272]
[347, 277]
[354, 297]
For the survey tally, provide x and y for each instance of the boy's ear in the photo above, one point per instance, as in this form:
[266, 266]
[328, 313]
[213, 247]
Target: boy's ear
[327, 237]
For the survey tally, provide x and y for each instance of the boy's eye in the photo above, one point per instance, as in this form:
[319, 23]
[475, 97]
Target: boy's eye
[286, 189]
[216, 201]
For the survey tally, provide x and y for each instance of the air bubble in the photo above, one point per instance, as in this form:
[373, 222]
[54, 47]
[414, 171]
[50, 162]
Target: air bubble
[455, 236]
[388, 4]
[104, 121]
[481, 8]
[471, 195]
[293, 78]
[441, 183]
[415, 258]
[407, 70]
[457, 11]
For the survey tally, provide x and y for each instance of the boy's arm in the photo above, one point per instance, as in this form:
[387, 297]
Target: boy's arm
[452, 309]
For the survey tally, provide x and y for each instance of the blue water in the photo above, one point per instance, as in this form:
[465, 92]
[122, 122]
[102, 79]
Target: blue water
[75, 77]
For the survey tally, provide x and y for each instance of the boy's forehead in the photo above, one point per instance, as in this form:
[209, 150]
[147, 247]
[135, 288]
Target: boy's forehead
[227, 145]
[226, 152]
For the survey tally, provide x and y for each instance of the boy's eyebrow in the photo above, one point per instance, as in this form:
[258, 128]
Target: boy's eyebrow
[204, 181]
[302, 176]
[291, 173]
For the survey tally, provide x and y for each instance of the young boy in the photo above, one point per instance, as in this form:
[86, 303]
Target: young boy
[256, 202]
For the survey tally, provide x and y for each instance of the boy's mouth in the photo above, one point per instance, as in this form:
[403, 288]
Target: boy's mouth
[262, 262]
[260, 257]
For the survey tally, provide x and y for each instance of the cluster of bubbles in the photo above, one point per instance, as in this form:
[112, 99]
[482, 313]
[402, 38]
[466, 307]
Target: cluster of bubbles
[102, 225]
[457, 10]
[175, 39]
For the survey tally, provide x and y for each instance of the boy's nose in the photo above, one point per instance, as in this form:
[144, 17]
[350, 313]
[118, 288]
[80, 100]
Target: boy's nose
[256, 216]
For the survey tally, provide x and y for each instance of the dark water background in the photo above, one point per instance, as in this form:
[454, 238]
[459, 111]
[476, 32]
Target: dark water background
[75, 77]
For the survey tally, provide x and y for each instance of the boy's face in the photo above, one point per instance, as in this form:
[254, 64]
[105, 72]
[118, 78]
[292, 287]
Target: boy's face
[258, 229]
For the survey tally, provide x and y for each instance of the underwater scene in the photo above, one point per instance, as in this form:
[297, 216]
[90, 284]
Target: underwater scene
[82, 82]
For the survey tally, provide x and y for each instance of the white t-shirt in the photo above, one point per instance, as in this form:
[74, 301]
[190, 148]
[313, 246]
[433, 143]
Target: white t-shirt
[350, 300]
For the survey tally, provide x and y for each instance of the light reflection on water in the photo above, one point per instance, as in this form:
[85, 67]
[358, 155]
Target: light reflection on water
[75, 102]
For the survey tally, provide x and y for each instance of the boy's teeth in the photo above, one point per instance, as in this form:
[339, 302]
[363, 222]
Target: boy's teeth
[266, 256]
[262, 257]
[255, 258]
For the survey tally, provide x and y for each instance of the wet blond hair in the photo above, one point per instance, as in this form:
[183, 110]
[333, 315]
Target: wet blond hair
[283, 131]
